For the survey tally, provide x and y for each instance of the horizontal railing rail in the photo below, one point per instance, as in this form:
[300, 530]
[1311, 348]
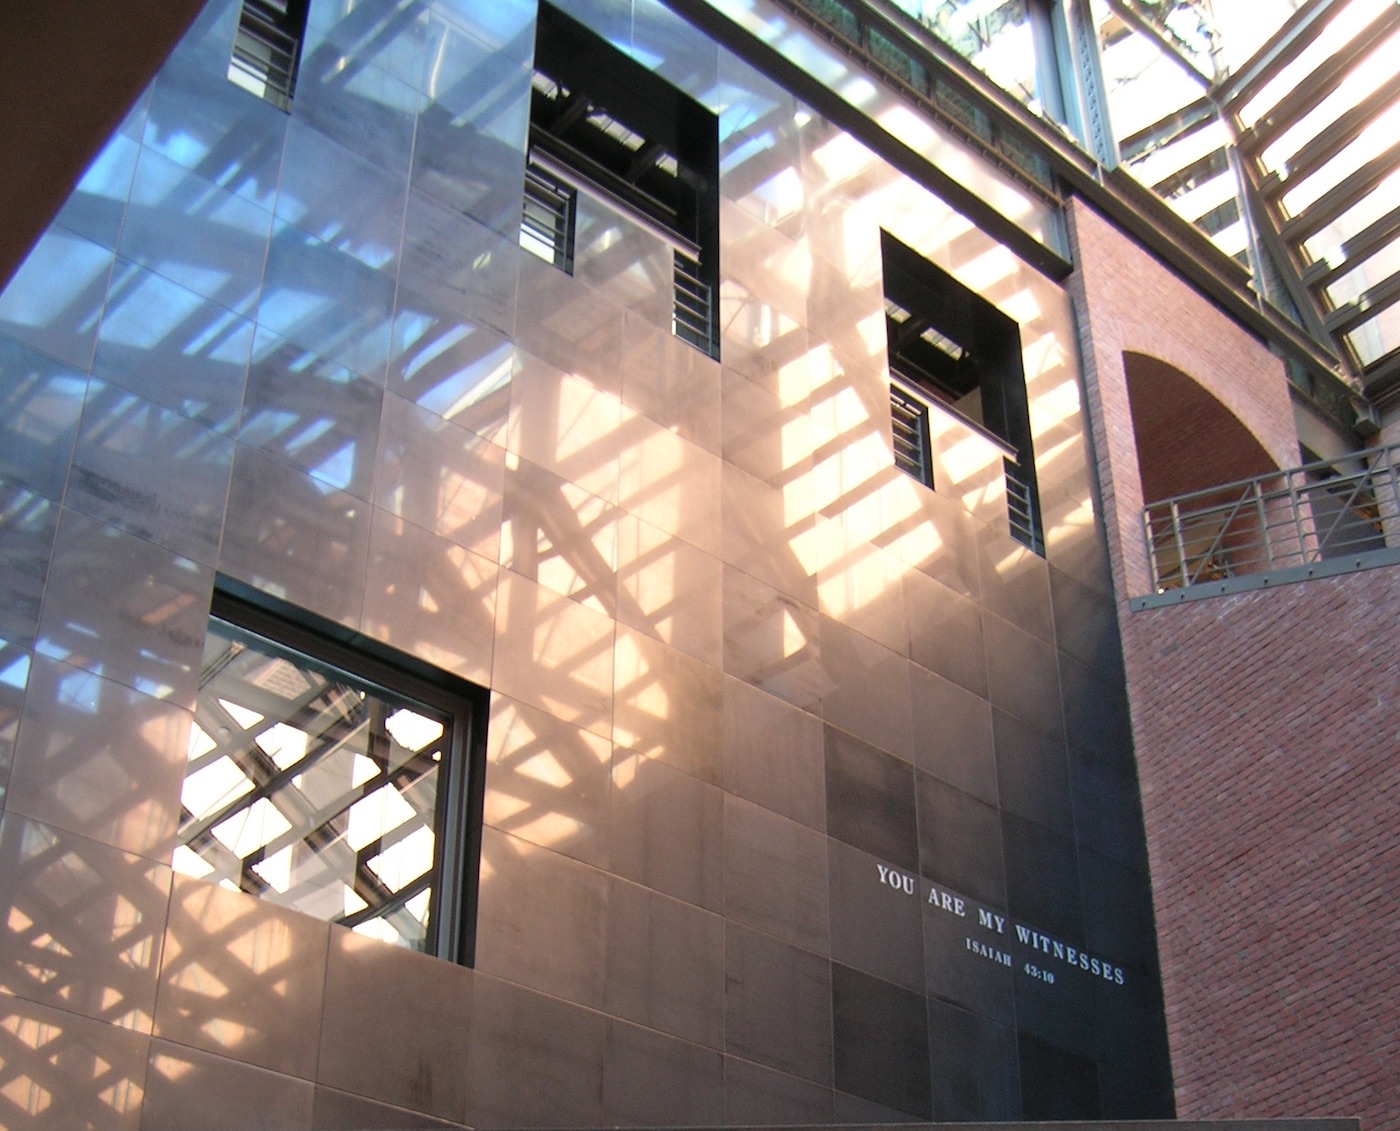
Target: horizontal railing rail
[1300, 516]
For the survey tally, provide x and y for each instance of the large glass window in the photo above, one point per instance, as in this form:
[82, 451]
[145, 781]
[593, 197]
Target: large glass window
[331, 775]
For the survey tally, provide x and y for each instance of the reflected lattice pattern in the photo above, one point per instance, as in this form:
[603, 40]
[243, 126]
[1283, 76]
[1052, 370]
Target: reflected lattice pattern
[311, 790]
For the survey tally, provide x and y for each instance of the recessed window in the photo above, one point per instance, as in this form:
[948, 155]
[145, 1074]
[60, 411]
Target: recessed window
[601, 123]
[267, 49]
[951, 348]
[332, 775]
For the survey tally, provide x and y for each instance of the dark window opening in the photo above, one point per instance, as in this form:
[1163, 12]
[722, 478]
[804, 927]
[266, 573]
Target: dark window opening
[330, 774]
[602, 122]
[267, 49]
[951, 347]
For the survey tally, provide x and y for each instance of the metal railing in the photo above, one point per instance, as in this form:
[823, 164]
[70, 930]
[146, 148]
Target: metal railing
[1297, 517]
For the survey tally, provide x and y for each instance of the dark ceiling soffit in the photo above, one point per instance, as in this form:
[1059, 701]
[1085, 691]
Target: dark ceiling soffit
[904, 158]
[56, 126]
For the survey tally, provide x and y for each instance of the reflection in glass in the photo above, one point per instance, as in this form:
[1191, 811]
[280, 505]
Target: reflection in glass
[995, 37]
[311, 789]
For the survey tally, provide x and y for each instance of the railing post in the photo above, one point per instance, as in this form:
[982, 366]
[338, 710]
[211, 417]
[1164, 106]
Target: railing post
[1295, 502]
[1263, 524]
[1387, 494]
[1156, 573]
[1180, 543]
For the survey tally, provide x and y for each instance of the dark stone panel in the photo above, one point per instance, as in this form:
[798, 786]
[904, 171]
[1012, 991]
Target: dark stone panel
[28, 523]
[1126, 1095]
[870, 800]
[875, 916]
[1062, 1012]
[534, 1061]
[1117, 907]
[334, 1110]
[755, 1096]
[1096, 714]
[975, 1071]
[777, 1004]
[866, 688]
[773, 754]
[953, 735]
[881, 1042]
[668, 831]
[1042, 879]
[184, 1088]
[960, 841]
[665, 964]
[1056, 1084]
[1129, 1025]
[1107, 810]
[534, 894]
[1033, 773]
[1021, 675]
[1015, 585]
[1086, 624]
[1076, 550]
[850, 1111]
[651, 1080]
[775, 875]
[958, 974]
[945, 633]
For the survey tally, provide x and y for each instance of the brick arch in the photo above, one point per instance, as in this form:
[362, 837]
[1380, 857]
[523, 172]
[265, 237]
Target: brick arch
[1186, 439]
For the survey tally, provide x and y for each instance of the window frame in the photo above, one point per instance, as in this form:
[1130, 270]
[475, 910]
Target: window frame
[278, 629]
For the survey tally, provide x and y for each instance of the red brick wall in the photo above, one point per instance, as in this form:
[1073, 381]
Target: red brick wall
[1267, 735]
[1268, 744]
[1128, 302]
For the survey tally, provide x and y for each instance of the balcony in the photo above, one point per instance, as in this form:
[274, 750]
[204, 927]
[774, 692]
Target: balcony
[1316, 520]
